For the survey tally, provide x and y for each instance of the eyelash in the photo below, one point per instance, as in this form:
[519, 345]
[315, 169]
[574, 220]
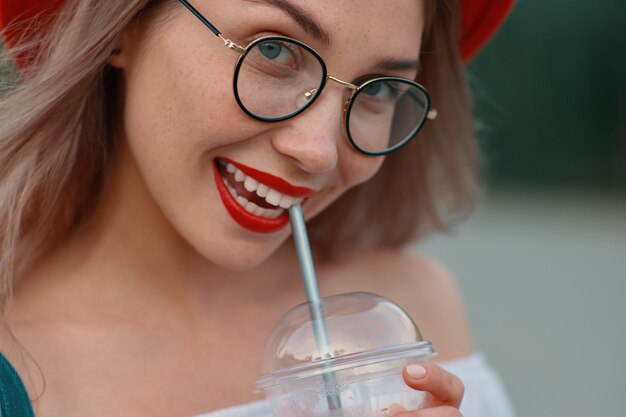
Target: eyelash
[265, 34]
[358, 81]
[362, 80]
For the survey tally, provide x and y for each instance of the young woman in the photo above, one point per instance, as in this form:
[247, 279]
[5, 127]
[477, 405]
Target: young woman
[146, 166]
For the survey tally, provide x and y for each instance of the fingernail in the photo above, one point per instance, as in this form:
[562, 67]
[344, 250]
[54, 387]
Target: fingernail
[416, 371]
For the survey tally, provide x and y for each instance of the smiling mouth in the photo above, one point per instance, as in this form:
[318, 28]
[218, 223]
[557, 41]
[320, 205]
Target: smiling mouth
[252, 195]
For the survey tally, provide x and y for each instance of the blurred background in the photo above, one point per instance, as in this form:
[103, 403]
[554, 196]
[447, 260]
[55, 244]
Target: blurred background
[542, 265]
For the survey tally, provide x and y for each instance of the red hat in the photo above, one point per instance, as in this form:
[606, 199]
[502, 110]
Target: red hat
[479, 19]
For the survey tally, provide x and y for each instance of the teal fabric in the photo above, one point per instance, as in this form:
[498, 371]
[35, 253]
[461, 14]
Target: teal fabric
[14, 401]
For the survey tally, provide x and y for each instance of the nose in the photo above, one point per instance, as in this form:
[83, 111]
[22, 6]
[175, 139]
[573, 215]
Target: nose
[313, 138]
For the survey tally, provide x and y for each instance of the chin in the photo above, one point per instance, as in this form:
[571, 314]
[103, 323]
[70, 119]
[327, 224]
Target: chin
[239, 254]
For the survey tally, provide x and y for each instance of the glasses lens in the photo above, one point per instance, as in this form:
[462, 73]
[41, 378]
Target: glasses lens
[277, 78]
[386, 113]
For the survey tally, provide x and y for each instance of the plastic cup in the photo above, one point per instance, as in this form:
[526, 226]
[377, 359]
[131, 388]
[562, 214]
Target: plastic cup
[370, 341]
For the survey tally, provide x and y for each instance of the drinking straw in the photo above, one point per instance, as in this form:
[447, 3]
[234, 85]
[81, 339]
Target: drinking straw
[303, 249]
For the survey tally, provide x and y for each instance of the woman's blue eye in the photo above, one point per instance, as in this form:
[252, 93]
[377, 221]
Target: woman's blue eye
[379, 90]
[276, 52]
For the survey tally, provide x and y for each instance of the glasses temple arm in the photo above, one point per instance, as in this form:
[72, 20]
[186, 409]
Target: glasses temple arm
[202, 18]
[232, 45]
[432, 113]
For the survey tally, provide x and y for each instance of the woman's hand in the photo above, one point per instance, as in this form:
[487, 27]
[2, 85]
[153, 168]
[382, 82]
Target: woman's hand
[444, 391]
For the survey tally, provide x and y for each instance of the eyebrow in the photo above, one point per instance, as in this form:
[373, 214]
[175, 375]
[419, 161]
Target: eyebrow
[313, 28]
[304, 19]
[399, 65]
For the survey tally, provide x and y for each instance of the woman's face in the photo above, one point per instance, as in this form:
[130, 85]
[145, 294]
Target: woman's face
[203, 160]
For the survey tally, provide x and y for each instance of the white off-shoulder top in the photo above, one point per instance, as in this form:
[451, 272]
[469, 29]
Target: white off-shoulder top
[485, 395]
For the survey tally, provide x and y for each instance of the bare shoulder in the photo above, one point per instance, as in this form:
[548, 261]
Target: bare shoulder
[421, 286]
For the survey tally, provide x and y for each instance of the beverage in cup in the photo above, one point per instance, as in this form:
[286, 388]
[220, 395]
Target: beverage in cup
[356, 372]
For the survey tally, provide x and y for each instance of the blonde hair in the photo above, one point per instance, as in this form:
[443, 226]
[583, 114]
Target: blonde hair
[56, 142]
[55, 131]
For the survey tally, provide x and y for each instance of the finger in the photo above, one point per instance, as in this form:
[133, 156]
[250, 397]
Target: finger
[440, 411]
[443, 387]
[394, 410]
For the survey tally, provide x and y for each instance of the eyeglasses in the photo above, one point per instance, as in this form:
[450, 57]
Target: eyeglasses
[277, 78]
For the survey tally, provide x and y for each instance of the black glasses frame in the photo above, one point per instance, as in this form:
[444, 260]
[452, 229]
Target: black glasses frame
[310, 101]
[356, 88]
[348, 111]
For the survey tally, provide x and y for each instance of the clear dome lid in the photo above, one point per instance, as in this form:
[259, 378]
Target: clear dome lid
[360, 329]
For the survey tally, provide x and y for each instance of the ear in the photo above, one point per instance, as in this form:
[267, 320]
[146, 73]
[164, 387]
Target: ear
[118, 57]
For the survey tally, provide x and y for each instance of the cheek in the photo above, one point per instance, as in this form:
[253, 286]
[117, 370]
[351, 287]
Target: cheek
[357, 168]
[183, 88]
[354, 170]
[179, 104]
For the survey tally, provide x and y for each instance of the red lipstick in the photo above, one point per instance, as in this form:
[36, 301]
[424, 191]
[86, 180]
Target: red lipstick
[274, 182]
[243, 217]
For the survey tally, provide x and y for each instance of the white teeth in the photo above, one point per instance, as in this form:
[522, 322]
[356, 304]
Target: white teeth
[250, 184]
[286, 201]
[263, 212]
[275, 213]
[230, 188]
[273, 197]
[239, 176]
[251, 207]
[242, 200]
[262, 190]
